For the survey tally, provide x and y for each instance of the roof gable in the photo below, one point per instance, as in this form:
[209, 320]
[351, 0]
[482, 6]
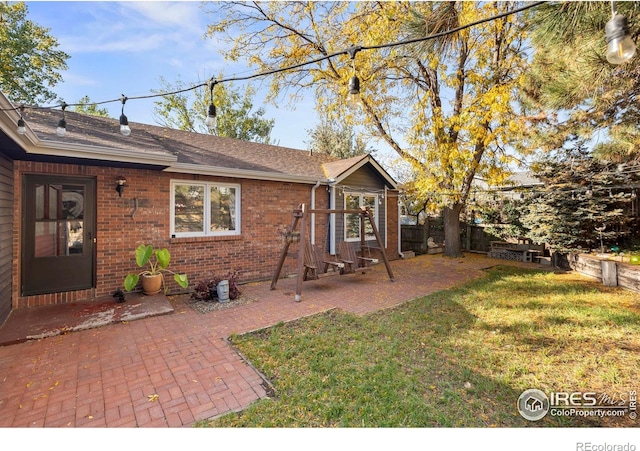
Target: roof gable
[339, 170]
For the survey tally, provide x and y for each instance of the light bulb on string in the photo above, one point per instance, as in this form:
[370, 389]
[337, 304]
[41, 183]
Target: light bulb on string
[353, 96]
[353, 93]
[589, 192]
[22, 127]
[620, 46]
[211, 121]
[124, 122]
[62, 123]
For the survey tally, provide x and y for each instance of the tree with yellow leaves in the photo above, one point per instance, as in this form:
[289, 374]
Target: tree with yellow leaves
[444, 104]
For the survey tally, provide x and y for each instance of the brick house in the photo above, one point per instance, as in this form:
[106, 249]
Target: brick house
[74, 208]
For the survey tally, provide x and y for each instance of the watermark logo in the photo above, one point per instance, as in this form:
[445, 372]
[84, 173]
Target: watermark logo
[534, 404]
[588, 446]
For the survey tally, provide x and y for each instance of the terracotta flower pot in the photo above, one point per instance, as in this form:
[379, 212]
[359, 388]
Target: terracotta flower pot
[151, 284]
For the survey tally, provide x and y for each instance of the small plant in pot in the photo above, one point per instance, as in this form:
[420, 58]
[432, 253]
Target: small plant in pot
[206, 290]
[152, 279]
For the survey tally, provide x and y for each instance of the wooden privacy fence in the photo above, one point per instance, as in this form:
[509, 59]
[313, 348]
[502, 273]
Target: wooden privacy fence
[473, 237]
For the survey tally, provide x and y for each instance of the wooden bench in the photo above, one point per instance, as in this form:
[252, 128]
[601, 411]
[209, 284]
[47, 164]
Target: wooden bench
[353, 262]
[315, 262]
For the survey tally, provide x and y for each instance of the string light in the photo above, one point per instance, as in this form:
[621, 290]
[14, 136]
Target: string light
[22, 127]
[354, 82]
[353, 96]
[589, 192]
[124, 122]
[62, 124]
[211, 121]
[620, 46]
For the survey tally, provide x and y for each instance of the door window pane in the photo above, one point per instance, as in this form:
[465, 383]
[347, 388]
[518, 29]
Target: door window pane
[72, 203]
[59, 213]
[46, 239]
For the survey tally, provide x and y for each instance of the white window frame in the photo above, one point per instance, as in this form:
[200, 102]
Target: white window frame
[207, 209]
[361, 196]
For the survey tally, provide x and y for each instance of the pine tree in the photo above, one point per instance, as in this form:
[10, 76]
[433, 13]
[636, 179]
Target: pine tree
[583, 199]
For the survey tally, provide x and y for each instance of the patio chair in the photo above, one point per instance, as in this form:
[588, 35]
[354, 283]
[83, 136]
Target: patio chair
[353, 262]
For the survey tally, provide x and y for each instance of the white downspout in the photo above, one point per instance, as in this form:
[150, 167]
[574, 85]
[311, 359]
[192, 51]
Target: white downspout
[386, 217]
[399, 227]
[332, 220]
[313, 215]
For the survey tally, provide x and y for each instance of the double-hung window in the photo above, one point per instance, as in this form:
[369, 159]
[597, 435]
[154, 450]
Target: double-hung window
[204, 209]
[352, 227]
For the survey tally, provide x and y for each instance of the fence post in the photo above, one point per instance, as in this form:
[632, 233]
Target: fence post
[609, 273]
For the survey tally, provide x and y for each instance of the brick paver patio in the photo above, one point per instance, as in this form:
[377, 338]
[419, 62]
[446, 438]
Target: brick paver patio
[176, 369]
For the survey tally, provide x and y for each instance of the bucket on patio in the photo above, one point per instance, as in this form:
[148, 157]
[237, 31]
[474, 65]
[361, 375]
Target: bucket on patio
[223, 291]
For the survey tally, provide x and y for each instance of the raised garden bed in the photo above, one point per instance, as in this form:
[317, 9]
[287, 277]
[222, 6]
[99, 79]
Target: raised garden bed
[612, 270]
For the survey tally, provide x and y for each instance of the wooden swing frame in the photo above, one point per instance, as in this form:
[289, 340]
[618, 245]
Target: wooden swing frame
[299, 218]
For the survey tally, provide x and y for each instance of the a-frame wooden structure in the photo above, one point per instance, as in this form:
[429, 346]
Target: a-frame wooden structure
[300, 218]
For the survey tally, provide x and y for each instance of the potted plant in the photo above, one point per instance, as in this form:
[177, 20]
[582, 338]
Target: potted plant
[153, 278]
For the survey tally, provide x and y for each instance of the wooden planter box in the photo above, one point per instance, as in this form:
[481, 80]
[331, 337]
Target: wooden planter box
[609, 271]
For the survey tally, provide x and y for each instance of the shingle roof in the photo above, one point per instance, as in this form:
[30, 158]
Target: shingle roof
[334, 169]
[90, 131]
[183, 151]
[214, 151]
[206, 151]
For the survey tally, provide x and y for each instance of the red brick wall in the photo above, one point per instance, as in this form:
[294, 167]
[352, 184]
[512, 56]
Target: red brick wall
[121, 227]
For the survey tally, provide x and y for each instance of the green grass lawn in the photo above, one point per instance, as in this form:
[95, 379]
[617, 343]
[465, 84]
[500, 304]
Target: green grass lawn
[457, 358]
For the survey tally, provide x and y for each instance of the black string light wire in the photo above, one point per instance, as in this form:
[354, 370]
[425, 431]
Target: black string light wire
[354, 82]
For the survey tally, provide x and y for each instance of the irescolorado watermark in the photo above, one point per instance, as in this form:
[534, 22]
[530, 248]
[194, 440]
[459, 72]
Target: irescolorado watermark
[534, 404]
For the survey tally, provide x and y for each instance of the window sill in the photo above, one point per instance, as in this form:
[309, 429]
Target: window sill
[204, 239]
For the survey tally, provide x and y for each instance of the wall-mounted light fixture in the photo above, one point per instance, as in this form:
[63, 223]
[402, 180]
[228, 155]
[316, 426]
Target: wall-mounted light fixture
[121, 182]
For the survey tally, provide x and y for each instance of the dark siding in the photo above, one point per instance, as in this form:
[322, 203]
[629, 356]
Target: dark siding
[6, 235]
[365, 179]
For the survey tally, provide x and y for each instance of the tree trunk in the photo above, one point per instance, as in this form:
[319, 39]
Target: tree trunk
[452, 246]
